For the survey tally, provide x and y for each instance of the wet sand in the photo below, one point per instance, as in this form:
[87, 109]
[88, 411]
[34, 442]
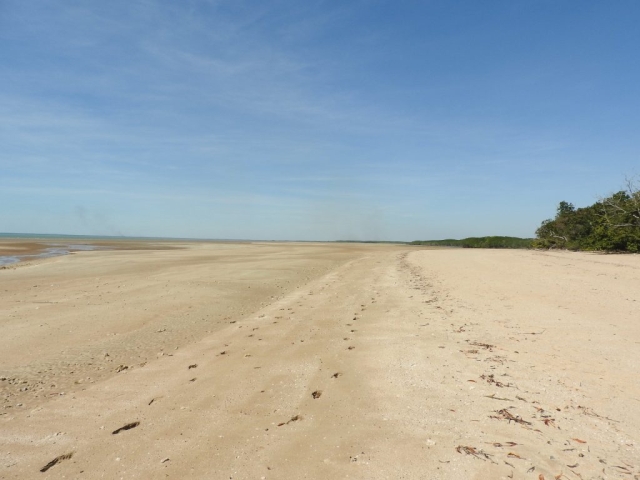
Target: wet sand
[321, 361]
[20, 250]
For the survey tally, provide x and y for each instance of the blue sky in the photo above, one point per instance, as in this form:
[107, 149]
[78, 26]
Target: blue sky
[314, 120]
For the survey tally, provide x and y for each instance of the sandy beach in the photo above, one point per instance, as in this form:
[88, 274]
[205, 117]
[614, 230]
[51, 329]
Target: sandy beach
[320, 361]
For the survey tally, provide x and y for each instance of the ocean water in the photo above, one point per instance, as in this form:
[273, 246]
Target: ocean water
[57, 245]
[54, 250]
[55, 236]
[64, 244]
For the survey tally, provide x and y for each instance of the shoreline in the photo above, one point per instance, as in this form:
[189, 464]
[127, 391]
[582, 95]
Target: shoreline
[16, 251]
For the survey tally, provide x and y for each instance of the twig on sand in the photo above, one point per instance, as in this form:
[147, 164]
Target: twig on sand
[493, 396]
[505, 414]
[533, 333]
[486, 346]
[482, 455]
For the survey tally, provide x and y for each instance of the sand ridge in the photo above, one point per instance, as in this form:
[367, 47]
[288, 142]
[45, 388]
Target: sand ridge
[394, 362]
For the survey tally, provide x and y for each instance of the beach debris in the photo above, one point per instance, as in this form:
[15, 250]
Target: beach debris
[591, 413]
[505, 414]
[56, 460]
[351, 347]
[491, 379]
[549, 422]
[128, 426]
[578, 440]
[482, 455]
[533, 333]
[165, 460]
[195, 365]
[295, 418]
[122, 368]
[316, 394]
[626, 470]
[336, 375]
[493, 396]
[496, 359]
[486, 346]
[506, 444]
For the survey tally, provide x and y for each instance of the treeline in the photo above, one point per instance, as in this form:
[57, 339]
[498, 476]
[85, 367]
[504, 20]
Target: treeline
[479, 242]
[611, 224]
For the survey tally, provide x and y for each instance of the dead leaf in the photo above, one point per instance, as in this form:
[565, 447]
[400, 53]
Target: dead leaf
[128, 426]
[56, 460]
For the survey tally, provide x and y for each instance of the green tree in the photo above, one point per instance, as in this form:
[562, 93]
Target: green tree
[611, 224]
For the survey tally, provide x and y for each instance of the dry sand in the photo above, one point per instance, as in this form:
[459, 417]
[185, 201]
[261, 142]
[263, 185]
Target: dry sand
[287, 361]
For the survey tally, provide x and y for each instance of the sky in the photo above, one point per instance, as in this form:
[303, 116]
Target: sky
[313, 120]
